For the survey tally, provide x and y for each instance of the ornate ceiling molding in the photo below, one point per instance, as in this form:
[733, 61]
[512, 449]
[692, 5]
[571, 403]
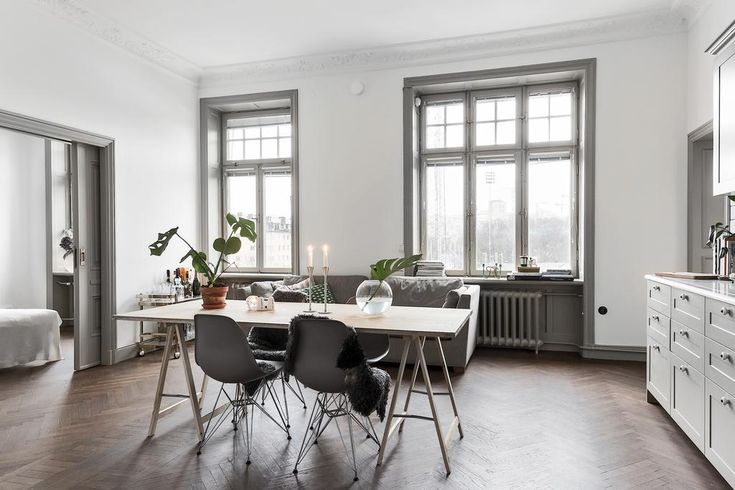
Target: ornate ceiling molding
[653, 23]
[660, 22]
[73, 11]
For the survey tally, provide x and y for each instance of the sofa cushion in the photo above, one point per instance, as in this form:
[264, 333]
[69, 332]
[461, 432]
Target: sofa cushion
[344, 287]
[264, 289]
[422, 291]
[284, 294]
[317, 293]
[452, 299]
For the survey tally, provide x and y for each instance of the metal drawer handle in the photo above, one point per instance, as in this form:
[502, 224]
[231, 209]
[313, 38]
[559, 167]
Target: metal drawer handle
[683, 297]
[724, 356]
[683, 333]
[725, 401]
[656, 347]
[683, 369]
[725, 311]
[656, 319]
[657, 288]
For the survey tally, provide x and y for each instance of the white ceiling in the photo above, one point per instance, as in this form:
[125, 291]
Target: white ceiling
[210, 33]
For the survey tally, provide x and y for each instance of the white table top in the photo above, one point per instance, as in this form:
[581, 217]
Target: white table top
[398, 320]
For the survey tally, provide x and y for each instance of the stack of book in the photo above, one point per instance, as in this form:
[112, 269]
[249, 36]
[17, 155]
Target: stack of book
[558, 275]
[429, 268]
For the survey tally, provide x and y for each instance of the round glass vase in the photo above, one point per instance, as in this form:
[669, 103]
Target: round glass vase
[374, 297]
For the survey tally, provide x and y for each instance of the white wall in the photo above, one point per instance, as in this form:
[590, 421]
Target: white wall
[707, 27]
[23, 215]
[65, 75]
[351, 166]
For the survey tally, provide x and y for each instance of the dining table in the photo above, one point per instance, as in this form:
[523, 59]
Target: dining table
[414, 325]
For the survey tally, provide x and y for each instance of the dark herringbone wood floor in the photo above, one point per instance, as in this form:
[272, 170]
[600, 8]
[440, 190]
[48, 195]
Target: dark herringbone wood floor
[549, 422]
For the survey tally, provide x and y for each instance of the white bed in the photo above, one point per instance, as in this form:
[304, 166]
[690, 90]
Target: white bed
[29, 335]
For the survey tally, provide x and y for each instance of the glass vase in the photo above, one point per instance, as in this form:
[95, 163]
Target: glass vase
[373, 297]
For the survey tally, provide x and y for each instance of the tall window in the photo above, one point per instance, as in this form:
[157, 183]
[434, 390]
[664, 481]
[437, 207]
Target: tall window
[257, 180]
[499, 177]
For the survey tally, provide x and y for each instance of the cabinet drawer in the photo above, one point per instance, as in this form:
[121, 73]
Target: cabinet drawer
[658, 377]
[720, 365]
[687, 394]
[688, 309]
[720, 325]
[719, 444]
[659, 297]
[658, 326]
[688, 344]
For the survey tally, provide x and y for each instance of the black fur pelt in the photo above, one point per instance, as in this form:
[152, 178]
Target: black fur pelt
[366, 387]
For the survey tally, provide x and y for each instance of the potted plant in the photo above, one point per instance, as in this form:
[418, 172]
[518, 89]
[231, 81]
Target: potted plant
[374, 295]
[213, 292]
[720, 239]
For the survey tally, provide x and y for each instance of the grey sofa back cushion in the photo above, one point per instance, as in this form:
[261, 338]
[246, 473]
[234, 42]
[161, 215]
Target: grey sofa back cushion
[343, 287]
[264, 289]
[422, 291]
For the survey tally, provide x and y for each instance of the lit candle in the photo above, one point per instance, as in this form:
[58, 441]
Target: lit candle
[325, 257]
[310, 256]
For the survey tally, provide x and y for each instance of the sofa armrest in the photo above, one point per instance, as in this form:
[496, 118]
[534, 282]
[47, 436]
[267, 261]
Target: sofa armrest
[469, 299]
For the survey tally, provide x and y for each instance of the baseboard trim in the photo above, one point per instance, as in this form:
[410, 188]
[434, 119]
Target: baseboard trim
[614, 352]
[124, 353]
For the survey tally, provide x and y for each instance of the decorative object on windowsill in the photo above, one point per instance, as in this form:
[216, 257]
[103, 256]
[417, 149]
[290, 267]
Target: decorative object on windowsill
[429, 268]
[722, 242]
[374, 295]
[214, 292]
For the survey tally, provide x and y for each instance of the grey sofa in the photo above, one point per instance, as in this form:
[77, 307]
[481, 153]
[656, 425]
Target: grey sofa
[432, 292]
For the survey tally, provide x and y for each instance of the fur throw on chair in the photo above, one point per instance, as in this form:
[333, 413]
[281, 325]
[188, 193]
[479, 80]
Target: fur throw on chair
[366, 387]
[268, 344]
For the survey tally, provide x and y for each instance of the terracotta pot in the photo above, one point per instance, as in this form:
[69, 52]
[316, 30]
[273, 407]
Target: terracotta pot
[213, 298]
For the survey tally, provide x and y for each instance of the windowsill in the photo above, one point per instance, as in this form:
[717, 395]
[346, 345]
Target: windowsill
[256, 275]
[499, 280]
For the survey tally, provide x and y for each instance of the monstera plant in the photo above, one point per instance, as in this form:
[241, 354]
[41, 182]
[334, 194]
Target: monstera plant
[213, 292]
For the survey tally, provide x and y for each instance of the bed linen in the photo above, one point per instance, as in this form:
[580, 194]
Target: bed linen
[29, 335]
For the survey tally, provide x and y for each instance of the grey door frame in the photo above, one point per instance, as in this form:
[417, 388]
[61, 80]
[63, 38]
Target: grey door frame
[45, 129]
[703, 132]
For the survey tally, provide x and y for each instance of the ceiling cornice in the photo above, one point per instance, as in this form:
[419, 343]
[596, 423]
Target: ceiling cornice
[594, 31]
[74, 12]
[659, 22]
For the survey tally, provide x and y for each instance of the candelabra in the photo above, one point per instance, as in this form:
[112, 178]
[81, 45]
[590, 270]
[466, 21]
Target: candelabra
[310, 270]
[326, 270]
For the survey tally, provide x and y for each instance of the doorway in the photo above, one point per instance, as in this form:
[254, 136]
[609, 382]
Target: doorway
[704, 209]
[87, 273]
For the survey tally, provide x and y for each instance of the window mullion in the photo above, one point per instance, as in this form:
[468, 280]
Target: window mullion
[259, 209]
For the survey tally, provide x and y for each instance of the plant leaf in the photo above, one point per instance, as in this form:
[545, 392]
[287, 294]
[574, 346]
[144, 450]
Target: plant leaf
[232, 246]
[198, 261]
[219, 245]
[243, 226]
[383, 268]
[159, 246]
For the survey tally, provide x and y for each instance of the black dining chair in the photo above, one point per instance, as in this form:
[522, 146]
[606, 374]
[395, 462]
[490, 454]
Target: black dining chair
[222, 351]
[314, 364]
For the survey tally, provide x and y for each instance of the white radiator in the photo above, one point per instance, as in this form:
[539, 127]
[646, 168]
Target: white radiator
[510, 319]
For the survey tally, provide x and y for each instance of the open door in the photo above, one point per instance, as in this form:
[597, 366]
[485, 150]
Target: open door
[85, 175]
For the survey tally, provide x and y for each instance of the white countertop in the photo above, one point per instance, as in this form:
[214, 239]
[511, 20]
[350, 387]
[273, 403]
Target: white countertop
[719, 290]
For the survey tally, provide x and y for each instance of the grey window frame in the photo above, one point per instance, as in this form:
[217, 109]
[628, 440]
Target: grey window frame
[259, 168]
[521, 150]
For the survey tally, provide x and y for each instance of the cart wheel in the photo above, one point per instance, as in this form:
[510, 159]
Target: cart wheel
[141, 353]
[177, 355]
